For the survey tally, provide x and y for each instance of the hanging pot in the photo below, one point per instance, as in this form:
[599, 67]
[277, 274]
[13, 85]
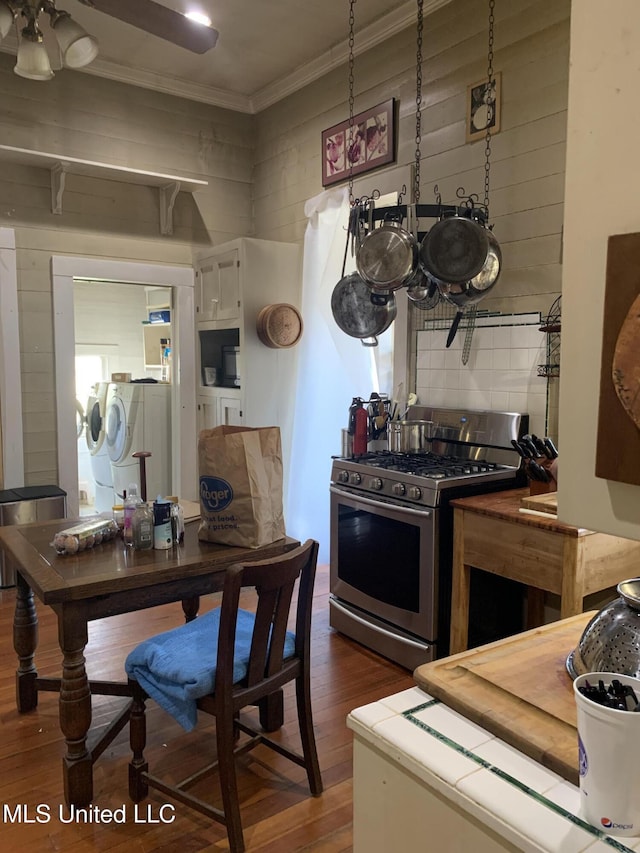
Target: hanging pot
[468, 293]
[454, 250]
[424, 295]
[359, 312]
[420, 287]
[463, 257]
[387, 258]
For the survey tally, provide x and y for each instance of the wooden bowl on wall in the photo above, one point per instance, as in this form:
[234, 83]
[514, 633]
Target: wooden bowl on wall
[279, 326]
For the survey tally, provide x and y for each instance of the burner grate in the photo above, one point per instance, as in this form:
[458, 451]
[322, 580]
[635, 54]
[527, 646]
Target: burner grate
[431, 465]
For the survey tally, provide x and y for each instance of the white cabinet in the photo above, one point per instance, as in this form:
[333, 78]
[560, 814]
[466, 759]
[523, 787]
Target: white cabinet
[218, 293]
[218, 409]
[233, 283]
[229, 411]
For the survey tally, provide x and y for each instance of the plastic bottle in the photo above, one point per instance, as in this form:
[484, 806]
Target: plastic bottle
[165, 359]
[142, 527]
[130, 503]
[177, 520]
[162, 535]
[118, 516]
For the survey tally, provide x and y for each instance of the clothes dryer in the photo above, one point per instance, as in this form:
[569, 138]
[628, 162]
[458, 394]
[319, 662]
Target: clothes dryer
[139, 418]
[95, 431]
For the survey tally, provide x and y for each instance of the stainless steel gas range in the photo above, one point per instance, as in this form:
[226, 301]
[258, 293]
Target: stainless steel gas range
[392, 536]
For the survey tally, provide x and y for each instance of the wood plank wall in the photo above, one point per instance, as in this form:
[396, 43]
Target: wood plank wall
[262, 169]
[83, 116]
[531, 49]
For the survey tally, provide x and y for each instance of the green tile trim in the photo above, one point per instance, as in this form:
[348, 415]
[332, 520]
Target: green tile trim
[486, 765]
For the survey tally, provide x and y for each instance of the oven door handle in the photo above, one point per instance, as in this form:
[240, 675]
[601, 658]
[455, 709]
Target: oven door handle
[378, 630]
[423, 513]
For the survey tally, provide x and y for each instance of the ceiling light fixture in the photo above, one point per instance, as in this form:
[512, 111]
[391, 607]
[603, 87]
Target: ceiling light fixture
[77, 47]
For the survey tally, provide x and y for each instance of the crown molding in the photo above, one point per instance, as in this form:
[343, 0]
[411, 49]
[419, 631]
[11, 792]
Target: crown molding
[169, 85]
[370, 37]
[384, 28]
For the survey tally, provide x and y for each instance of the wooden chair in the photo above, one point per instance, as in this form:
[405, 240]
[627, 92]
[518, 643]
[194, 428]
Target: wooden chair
[267, 670]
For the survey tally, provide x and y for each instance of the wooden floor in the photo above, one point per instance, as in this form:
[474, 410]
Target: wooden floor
[279, 815]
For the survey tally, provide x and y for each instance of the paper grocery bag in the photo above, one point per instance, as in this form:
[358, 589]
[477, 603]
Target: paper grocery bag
[240, 470]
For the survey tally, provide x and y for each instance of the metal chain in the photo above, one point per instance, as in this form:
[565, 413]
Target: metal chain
[490, 91]
[349, 140]
[416, 186]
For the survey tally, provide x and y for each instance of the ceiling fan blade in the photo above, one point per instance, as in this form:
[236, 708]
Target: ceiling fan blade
[159, 21]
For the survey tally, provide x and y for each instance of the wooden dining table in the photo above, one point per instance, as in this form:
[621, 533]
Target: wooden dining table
[106, 580]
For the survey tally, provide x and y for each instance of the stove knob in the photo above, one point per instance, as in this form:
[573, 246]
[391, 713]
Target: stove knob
[376, 483]
[415, 493]
[343, 476]
[398, 489]
[355, 479]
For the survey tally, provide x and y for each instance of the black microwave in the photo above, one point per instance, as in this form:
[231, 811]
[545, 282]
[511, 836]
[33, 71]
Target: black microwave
[230, 366]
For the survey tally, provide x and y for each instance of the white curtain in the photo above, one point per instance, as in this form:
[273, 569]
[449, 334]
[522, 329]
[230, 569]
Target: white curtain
[332, 369]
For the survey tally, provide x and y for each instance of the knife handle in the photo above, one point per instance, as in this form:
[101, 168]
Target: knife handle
[519, 450]
[528, 443]
[541, 447]
[541, 472]
[551, 447]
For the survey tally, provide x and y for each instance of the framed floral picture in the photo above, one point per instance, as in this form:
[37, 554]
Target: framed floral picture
[352, 148]
[483, 108]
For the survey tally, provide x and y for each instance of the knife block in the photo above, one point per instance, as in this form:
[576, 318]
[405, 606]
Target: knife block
[537, 487]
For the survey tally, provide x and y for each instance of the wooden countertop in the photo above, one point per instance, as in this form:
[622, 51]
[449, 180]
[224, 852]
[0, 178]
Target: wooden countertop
[519, 690]
[506, 506]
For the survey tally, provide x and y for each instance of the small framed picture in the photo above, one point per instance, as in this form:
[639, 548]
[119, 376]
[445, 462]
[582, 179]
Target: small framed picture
[359, 146]
[483, 108]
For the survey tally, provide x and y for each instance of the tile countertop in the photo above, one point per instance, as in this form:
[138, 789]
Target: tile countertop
[521, 801]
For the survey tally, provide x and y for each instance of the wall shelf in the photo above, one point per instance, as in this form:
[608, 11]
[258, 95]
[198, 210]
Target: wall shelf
[552, 326]
[59, 166]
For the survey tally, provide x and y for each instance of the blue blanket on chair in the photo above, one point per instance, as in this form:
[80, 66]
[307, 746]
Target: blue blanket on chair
[179, 666]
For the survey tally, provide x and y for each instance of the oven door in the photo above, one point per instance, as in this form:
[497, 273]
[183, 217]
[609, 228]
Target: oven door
[382, 559]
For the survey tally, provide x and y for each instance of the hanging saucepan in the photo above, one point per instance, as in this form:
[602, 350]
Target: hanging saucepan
[464, 259]
[470, 292]
[359, 312]
[387, 258]
[424, 293]
[454, 250]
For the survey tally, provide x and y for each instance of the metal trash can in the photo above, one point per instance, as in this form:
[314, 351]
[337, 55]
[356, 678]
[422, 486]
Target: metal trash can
[22, 506]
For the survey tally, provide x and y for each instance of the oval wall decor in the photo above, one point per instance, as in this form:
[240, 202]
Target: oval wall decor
[625, 369]
[279, 326]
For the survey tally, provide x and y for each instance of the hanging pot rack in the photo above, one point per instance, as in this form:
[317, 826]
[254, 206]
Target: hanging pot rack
[368, 215]
[365, 216]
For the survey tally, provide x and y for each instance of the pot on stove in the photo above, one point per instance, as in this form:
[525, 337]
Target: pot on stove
[410, 436]
[346, 447]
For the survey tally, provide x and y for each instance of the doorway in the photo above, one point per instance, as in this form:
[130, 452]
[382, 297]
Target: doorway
[66, 271]
[125, 329]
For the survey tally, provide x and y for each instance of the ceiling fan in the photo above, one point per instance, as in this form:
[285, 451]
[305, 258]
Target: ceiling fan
[160, 21]
[79, 48]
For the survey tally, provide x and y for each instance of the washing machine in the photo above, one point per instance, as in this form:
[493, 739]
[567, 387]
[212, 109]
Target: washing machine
[95, 433]
[139, 418]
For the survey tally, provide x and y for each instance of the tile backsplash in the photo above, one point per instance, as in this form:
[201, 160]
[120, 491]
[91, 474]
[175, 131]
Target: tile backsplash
[501, 373]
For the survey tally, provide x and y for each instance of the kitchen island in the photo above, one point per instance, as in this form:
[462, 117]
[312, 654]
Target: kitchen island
[429, 777]
[496, 533]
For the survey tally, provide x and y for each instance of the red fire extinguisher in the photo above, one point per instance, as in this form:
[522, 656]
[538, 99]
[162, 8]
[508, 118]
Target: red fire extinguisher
[358, 426]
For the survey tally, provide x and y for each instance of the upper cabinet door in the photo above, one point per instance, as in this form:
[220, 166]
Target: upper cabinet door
[220, 287]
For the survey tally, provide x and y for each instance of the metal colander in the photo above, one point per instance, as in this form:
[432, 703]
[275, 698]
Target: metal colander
[611, 640]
